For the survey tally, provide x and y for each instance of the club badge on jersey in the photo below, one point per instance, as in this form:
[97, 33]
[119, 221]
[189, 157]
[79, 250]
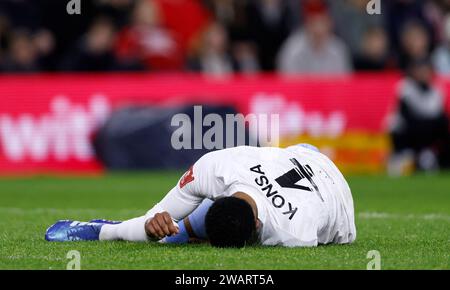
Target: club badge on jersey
[187, 177]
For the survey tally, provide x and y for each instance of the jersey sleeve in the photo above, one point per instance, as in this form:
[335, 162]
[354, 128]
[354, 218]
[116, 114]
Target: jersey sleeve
[198, 183]
[178, 203]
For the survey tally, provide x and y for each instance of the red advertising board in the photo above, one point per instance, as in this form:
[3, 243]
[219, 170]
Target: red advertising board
[47, 121]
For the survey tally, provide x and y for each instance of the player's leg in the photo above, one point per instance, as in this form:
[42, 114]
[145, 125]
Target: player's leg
[129, 230]
[192, 226]
[132, 230]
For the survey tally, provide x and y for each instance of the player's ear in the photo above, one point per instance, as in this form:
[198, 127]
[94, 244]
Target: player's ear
[258, 224]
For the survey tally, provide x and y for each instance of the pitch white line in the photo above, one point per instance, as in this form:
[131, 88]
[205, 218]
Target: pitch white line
[68, 211]
[135, 212]
[384, 215]
[34, 257]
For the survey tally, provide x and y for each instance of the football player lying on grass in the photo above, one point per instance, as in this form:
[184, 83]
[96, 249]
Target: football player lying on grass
[234, 197]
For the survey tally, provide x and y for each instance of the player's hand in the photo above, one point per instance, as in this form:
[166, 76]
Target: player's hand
[160, 226]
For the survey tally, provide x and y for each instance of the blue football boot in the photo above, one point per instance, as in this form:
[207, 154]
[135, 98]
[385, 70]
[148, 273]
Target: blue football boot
[66, 230]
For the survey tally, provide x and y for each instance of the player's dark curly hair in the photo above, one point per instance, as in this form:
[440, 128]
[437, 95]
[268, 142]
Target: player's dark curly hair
[230, 223]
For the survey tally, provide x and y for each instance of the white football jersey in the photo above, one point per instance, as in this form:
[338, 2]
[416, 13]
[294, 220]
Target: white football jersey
[302, 198]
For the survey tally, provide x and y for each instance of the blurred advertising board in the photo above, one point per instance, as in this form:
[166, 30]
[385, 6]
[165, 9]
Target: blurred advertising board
[47, 121]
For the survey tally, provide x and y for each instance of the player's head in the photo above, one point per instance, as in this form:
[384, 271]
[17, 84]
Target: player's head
[230, 223]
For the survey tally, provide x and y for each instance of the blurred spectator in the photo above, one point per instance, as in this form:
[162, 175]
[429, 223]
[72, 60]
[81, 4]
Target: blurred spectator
[400, 13]
[185, 18]
[223, 10]
[212, 56]
[420, 127]
[44, 43]
[269, 23]
[374, 53]
[4, 28]
[415, 43]
[314, 49]
[146, 40]
[233, 15]
[117, 10]
[21, 13]
[22, 54]
[94, 51]
[245, 57]
[309, 7]
[66, 29]
[352, 21]
[441, 56]
[158, 34]
[238, 18]
[435, 12]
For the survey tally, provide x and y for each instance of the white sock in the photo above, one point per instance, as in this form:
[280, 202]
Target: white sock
[132, 230]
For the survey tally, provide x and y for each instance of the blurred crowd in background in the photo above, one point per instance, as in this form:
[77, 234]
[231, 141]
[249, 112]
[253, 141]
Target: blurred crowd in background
[220, 37]
[223, 36]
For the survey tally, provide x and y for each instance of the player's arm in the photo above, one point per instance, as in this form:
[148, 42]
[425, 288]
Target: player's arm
[192, 228]
[176, 205]
[196, 184]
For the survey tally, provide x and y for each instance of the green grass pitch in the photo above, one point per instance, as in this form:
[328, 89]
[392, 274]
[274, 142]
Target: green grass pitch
[407, 220]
